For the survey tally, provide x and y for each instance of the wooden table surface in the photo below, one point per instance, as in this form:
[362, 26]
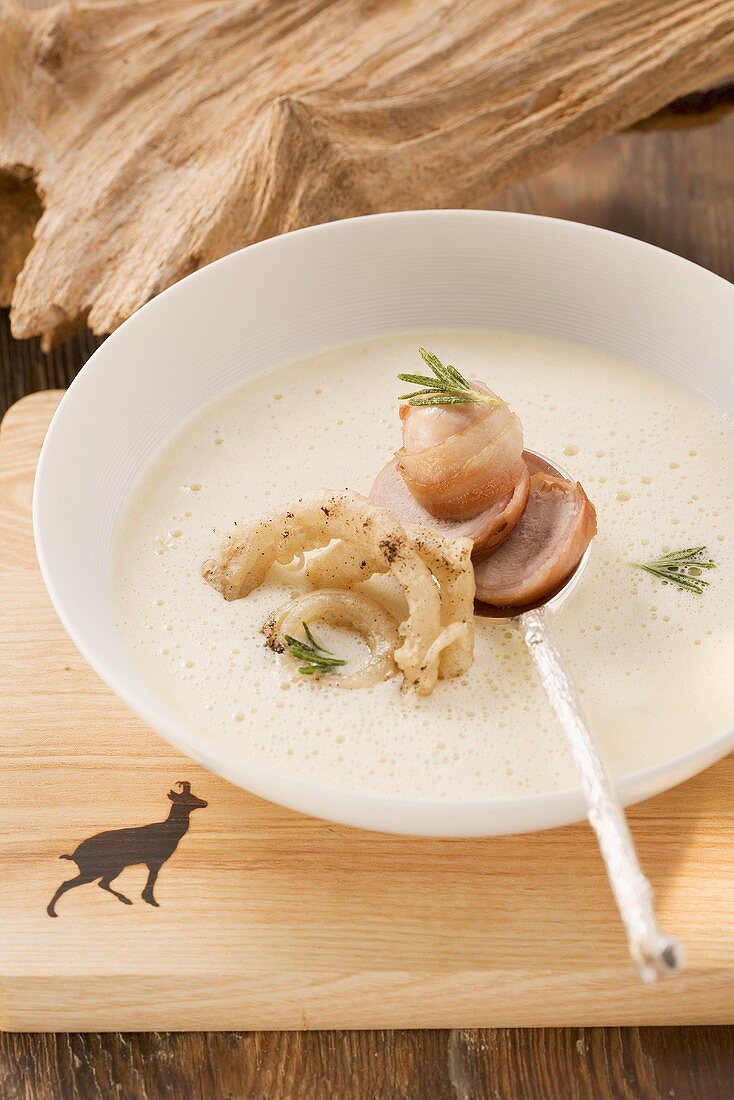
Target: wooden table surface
[675, 188]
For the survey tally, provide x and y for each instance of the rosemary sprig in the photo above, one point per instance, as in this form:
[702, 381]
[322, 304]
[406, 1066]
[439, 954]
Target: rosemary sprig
[445, 387]
[314, 656]
[681, 567]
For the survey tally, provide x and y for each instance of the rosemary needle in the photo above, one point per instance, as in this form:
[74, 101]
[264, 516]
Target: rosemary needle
[681, 567]
[314, 656]
[445, 387]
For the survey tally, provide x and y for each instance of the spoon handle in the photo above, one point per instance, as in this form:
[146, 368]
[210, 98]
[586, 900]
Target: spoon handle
[654, 953]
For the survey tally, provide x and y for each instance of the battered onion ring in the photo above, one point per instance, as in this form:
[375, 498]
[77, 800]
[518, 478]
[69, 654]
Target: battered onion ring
[350, 609]
[449, 560]
[312, 522]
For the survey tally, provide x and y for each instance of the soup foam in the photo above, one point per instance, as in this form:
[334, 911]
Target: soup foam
[652, 663]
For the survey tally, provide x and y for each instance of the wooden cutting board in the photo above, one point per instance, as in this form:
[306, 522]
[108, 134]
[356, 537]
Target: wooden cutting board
[268, 919]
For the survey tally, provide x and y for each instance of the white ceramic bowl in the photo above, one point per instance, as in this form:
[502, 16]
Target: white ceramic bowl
[322, 286]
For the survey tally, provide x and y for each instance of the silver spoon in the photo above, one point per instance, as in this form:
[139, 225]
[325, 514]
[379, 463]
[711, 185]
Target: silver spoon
[654, 953]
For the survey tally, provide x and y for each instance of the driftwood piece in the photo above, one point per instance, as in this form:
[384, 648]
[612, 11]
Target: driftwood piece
[160, 134]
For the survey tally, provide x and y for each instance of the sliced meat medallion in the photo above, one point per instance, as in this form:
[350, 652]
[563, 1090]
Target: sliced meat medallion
[488, 529]
[544, 549]
[461, 460]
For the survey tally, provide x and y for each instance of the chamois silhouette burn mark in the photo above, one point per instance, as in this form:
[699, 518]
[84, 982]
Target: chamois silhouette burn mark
[106, 855]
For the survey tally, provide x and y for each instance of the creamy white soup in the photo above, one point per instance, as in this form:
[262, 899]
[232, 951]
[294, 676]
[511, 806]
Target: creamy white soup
[653, 664]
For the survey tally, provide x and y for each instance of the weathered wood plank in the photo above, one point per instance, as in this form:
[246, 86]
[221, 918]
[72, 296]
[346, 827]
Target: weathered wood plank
[545, 1064]
[294, 112]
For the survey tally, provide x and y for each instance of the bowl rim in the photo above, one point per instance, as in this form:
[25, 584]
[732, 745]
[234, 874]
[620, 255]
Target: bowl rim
[429, 817]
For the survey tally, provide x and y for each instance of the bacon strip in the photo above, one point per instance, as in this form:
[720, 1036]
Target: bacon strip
[461, 460]
[486, 530]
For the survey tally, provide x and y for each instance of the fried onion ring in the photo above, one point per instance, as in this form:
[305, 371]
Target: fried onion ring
[312, 522]
[449, 560]
[339, 608]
